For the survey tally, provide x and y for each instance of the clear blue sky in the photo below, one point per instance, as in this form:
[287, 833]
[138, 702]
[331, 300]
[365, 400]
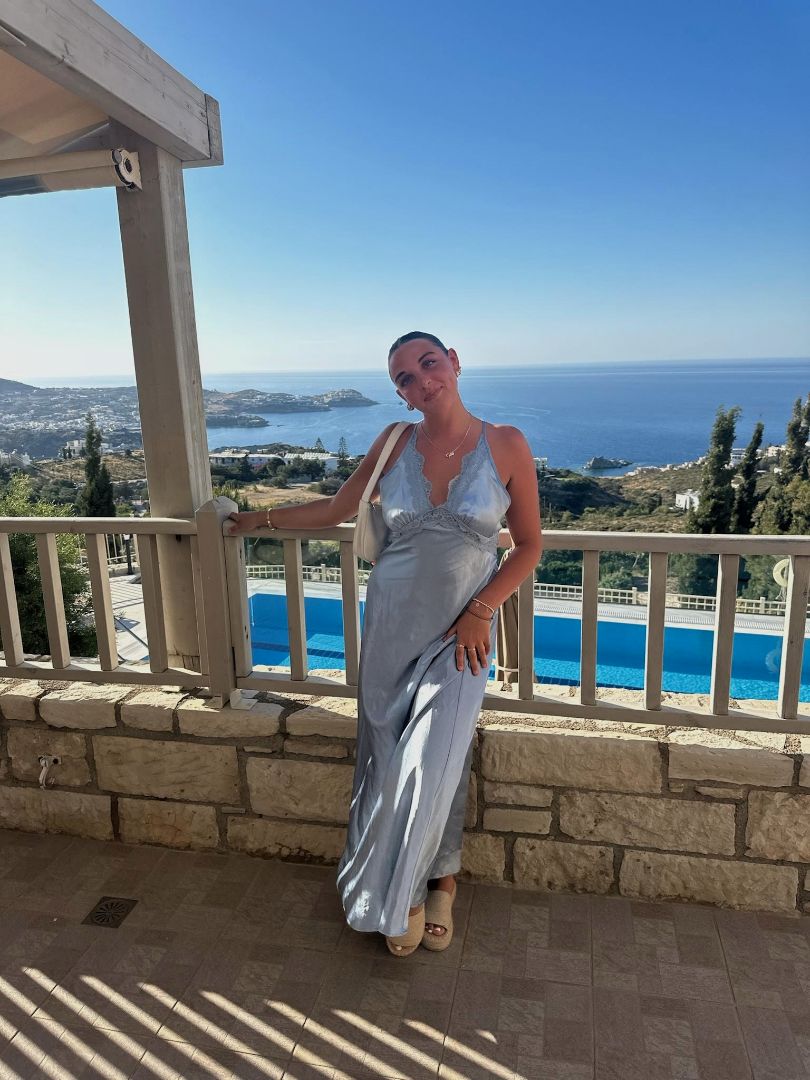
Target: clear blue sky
[535, 181]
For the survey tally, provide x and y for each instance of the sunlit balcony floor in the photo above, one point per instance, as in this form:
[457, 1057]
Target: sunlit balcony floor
[231, 966]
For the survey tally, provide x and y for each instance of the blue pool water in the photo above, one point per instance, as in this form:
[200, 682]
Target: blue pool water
[619, 654]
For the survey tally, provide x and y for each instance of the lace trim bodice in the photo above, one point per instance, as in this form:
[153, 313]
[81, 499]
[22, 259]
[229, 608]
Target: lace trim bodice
[476, 497]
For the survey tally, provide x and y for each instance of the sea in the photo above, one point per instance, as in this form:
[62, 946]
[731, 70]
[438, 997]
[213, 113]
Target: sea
[647, 413]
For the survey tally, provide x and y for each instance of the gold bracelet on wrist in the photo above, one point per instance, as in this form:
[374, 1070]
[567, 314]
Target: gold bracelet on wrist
[486, 618]
[484, 604]
[268, 523]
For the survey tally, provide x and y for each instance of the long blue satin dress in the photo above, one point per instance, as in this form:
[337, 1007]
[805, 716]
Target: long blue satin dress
[416, 712]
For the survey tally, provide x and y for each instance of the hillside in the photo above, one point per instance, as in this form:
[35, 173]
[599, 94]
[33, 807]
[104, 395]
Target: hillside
[9, 386]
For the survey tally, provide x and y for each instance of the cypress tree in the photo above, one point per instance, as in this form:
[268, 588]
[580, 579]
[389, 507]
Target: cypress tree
[698, 573]
[713, 514]
[96, 497]
[786, 497]
[745, 499]
[793, 459]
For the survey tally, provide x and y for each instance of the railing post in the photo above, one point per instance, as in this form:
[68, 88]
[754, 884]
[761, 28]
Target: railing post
[215, 612]
[790, 670]
[526, 640]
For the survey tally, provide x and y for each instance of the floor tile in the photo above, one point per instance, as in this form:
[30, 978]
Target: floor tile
[235, 967]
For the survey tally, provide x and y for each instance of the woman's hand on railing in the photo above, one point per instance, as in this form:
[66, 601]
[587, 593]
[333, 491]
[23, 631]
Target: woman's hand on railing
[247, 521]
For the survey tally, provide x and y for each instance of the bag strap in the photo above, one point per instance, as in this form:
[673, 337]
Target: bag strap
[385, 453]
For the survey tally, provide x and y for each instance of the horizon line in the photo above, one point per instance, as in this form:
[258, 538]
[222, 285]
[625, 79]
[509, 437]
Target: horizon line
[470, 365]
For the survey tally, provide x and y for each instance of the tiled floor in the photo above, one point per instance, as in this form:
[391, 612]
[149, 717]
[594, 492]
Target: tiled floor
[237, 967]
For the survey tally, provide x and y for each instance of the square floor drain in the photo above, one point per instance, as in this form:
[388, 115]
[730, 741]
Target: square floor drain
[110, 911]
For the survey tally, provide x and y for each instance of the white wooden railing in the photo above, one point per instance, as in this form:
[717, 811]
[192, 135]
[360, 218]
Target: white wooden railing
[106, 667]
[784, 716]
[222, 616]
[543, 590]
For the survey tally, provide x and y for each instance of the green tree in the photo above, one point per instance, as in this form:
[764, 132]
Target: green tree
[18, 500]
[343, 449]
[96, 497]
[713, 514]
[231, 491]
[321, 449]
[745, 498]
[787, 495]
[698, 573]
[560, 568]
[793, 458]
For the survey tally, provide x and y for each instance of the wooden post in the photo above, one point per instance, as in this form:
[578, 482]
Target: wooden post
[154, 238]
[723, 648]
[656, 617]
[790, 669]
[213, 591]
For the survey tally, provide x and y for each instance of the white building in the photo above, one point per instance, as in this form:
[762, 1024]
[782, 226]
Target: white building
[230, 458]
[257, 461]
[330, 461]
[687, 500]
[13, 457]
[737, 453]
[234, 458]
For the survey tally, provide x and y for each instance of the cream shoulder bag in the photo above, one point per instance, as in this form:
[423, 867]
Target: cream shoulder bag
[370, 531]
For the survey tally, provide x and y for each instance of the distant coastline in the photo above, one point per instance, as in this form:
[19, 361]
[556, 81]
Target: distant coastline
[651, 414]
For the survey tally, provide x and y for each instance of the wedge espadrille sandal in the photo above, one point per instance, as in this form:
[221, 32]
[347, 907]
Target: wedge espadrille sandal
[410, 941]
[439, 911]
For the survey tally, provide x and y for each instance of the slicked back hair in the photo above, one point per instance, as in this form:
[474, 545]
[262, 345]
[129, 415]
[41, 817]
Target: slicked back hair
[414, 335]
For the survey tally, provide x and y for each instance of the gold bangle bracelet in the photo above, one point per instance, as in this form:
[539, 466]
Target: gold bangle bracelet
[484, 604]
[485, 618]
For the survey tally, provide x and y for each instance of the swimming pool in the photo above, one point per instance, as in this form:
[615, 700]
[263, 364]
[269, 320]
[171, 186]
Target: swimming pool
[619, 654]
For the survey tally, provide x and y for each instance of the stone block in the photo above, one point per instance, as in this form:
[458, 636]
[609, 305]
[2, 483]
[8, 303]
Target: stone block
[286, 839]
[199, 716]
[26, 744]
[717, 757]
[309, 790]
[778, 826]
[76, 813]
[804, 772]
[83, 705]
[167, 770]
[483, 857]
[18, 699]
[517, 794]
[641, 821]
[152, 709]
[712, 792]
[651, 875]
[572, 759]
[553, 865]
[335, 720]
[471, 811]
[519, 821]
[307, 748]
[173, 824]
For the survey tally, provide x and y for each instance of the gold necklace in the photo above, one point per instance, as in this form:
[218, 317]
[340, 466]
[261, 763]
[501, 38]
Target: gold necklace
[447, 454]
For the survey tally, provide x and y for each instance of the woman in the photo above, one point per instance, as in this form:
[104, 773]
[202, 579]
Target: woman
[427, 637]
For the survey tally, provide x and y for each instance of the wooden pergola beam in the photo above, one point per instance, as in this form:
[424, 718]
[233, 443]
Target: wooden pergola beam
[82, 48]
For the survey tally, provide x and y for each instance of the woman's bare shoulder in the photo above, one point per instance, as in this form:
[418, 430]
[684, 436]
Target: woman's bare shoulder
[507, 436]
[376, 447]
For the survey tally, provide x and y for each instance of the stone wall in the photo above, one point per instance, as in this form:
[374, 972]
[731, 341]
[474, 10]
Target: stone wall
[686, 815]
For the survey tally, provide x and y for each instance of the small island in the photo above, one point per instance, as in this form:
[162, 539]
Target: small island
[599, 464]
[223, 409]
